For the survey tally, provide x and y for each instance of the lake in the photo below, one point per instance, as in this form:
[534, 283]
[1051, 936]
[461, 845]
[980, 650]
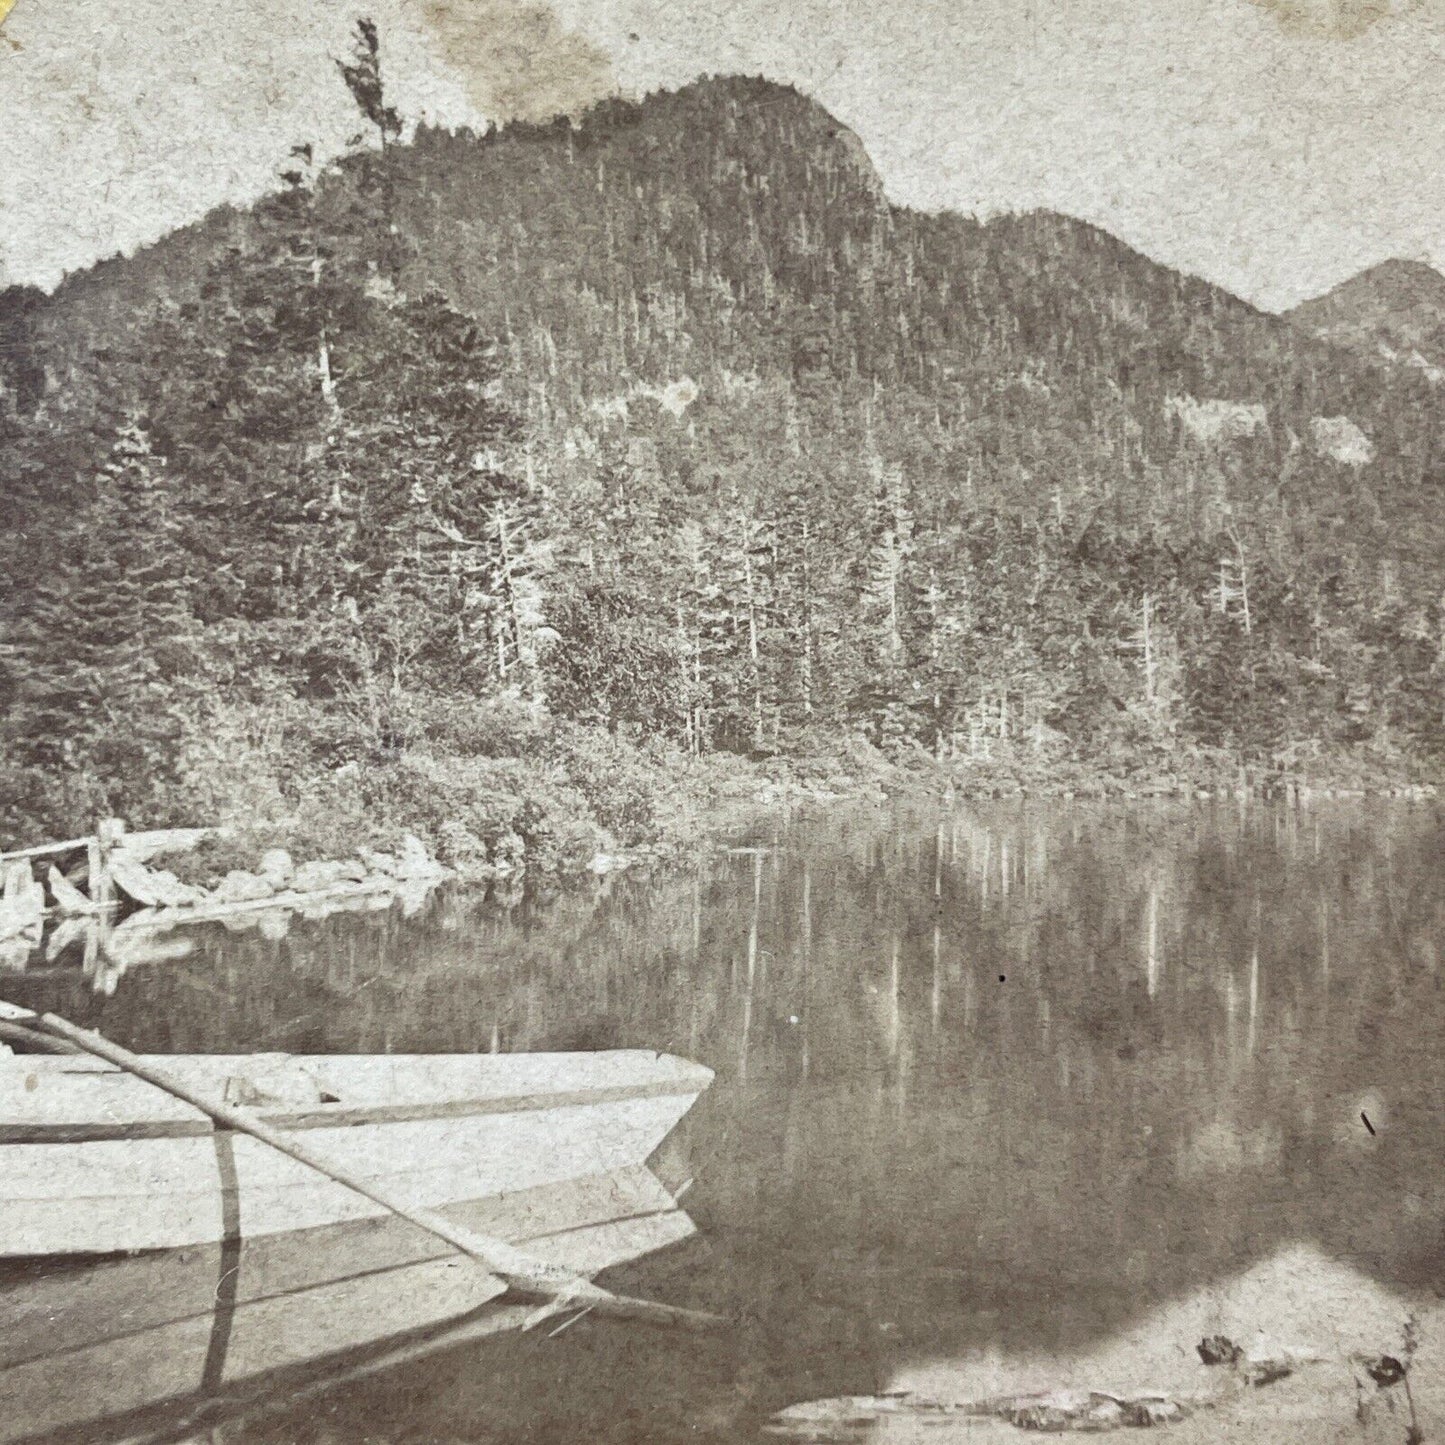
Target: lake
[1006, 1097]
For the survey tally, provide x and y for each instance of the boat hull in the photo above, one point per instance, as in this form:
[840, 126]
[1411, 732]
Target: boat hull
[95, 1166]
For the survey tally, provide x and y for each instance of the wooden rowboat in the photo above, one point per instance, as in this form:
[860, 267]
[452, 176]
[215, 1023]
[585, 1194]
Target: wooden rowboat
[122, 1347]
[94, 1160]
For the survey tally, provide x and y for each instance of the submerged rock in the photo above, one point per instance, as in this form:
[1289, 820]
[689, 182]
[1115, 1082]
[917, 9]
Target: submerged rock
[415, 863]
[1385, 1370]
[152, 888]
[22, 904]
[277, 868]
[822, 1419]
[1067, 1410]
[1056, 1412]
[174, 893]
[1219, 1350]
[383, 863]
[238, 886]
[68, 898]
[315, 876]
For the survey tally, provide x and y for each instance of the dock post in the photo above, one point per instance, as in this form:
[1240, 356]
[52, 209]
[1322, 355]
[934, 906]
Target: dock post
[94, 871]
[109, 834]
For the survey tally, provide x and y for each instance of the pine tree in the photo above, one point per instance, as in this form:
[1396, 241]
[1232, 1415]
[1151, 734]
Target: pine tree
[363, 80]
[100, 657]
[439, 542]
[887, 603]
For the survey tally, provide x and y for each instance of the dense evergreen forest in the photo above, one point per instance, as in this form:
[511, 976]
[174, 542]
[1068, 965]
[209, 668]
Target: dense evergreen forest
[479, 482]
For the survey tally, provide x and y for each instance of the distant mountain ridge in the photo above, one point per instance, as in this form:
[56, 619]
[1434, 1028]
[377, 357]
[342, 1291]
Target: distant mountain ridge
[761, 218]
[1395, 310]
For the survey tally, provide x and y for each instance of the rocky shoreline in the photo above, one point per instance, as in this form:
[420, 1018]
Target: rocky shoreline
[276, 878]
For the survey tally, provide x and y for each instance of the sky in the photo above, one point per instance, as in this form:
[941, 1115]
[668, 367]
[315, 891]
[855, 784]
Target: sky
[1272, 146]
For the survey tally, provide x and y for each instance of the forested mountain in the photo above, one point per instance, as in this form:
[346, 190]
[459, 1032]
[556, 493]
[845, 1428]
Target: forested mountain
[1394, 311]
[669, 422]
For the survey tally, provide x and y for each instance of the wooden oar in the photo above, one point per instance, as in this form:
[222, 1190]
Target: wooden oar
[32, 1039]
[519, 1270]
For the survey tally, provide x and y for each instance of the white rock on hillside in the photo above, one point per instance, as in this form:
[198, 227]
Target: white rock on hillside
[1216, 420]
[677, 396]
[1338, 438]
[1433, 373]
[610, 408]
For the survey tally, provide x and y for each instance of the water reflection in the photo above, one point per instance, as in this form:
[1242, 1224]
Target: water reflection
[1000, 1082]
[120, 1348]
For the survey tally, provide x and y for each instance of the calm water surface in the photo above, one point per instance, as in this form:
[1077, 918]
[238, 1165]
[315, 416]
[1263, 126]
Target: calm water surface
[993, 1087]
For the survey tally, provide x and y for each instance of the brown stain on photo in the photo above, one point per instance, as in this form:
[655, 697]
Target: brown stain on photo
[1333, 19]
[518, 61]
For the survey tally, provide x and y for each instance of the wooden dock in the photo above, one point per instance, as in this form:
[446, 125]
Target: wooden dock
[100, 851]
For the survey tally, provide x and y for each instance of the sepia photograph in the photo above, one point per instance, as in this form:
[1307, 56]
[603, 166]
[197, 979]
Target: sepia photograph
[721, 724]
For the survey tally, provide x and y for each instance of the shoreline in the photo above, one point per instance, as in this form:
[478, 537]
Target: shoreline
[260, 872]
[566, 815]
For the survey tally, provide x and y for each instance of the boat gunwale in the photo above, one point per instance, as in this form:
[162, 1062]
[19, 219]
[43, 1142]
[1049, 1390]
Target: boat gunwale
[351, 1116]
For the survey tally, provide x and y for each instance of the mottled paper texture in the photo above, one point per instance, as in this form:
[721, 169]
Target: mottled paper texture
[721, 722]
